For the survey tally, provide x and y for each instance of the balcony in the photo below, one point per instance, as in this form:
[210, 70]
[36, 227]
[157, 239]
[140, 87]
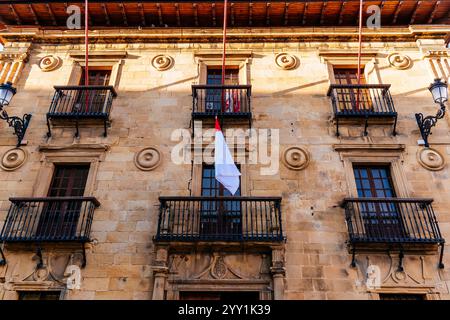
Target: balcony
[224, 101]
[365, 103]
[392, 222]
[233, 219]
[80, 103]
[51, 219]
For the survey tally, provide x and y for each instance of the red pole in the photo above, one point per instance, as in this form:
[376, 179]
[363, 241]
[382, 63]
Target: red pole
[86, 41]
[360, 50]
[224, 39]
[224, 44]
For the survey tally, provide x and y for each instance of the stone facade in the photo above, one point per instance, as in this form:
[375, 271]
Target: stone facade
[153, 80]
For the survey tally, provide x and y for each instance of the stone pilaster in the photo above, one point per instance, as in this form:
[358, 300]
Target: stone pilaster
[278, 271]
[160, 272]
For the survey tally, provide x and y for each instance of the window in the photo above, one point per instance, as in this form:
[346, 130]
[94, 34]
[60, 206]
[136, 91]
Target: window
[350, 98]
[401, 296]
[380, 218]
[348, 75]
[230, 98]
[219, 217]
[94, 100]
[214, 75]
[60, 218]
[97, 77]
[39, 295]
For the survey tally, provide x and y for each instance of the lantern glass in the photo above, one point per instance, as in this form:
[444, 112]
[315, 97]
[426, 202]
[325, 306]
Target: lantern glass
[7, 91]
[439, 91]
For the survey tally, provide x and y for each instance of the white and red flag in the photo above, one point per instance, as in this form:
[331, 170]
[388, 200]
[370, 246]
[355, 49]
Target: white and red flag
[226, 171]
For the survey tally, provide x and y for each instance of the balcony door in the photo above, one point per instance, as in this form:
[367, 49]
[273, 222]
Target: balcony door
[381, 219]
[349, 98]
[59, 219]
[219, 217]
[95, 99]
[214, 98]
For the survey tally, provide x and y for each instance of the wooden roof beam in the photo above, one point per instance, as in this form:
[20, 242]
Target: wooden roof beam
[105, 11]
[124, 14]
[33, 13]
[232, 13]
[268, 13]
[322, 13]
[177, 14]
[341, 13]
[195, 6]
[414, 14]
[433, 12]
[305, 13]
[250, 13]
[213, 14]
[160, 16]
[397, 11]
[16, 16]
[286, 13]
[52, 15]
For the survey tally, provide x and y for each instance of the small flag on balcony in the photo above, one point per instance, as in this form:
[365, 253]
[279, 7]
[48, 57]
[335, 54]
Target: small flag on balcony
[226, 171]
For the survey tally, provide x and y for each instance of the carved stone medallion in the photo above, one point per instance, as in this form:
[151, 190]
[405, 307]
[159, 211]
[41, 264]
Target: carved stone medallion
[162, 62]
[13, 159]
[399, 61]
[49, 63]
[286, 61]
[431, 159]
[148, 159]
[296, 158]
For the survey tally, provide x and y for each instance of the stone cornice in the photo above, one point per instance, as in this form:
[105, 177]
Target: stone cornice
[149, 35]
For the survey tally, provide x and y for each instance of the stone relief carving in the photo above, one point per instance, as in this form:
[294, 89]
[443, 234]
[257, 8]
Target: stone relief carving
[399, 61]
[382, 271]
[47, 270]
[13, 159]
[286, 61]
[296, 158]
[431, 159]
[148, 159]
[49, 63]
[162, 62]
[219, 266]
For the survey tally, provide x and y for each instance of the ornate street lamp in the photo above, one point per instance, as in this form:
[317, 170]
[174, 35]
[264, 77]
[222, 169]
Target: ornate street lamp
[20, 125]
[439, 90]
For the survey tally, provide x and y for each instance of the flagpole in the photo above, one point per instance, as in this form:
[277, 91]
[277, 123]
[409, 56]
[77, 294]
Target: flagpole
[224, 44]
[359, 49]
[224, 39]
[86, 41]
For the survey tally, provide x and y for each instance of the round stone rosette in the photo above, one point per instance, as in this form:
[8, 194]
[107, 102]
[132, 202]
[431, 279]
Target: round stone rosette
[296, 158]
[49, 63]
[286, 61]
[148, 159]
[162, 62]
[13, 159]
[431, 159]
[399, 61]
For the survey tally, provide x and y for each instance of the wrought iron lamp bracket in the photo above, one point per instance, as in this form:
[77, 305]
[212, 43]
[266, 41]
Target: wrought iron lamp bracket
[20, 125]
[426, 123]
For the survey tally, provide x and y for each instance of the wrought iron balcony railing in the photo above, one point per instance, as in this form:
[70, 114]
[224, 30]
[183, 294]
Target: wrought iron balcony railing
[362, 101]
[220, 219]
[81, 102]
[221, 100]
[50, 219]
[392, 221]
